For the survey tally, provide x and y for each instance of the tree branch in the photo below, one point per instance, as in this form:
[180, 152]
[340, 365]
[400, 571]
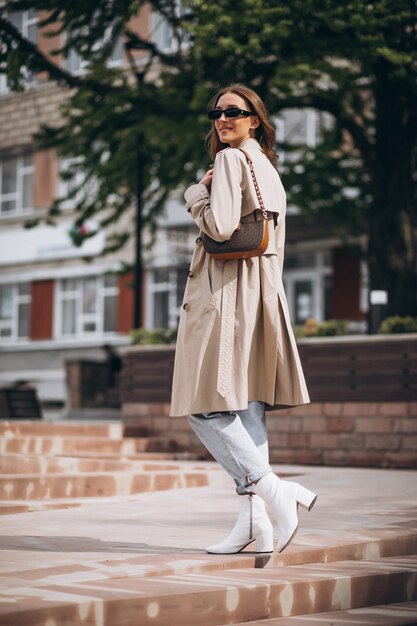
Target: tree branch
[44, 64]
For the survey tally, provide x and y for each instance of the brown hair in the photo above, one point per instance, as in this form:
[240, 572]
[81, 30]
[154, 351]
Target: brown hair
[264, 134]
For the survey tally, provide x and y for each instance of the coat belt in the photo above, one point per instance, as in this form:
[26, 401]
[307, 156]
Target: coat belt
[227, 327]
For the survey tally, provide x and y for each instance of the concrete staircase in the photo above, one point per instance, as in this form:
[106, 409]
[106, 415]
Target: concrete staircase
[52, 465]
[131, 550]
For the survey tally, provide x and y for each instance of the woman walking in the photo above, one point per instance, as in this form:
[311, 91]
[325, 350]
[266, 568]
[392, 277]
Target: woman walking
[236, 355]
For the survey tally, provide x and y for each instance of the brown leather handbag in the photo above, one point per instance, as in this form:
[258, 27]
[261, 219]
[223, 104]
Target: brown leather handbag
[249, 239]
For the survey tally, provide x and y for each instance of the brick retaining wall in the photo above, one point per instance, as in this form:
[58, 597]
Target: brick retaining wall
[366, 434]
[363, 410]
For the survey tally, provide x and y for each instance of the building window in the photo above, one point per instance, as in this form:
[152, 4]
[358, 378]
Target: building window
[27, 23]
[74, 185]
[165, 294]
[69, 183]
[308, 285]
[116, 57]
[162, 33]
[76, 64]
[87, 306]
[299, 127]
[14, 311]
[16, 185]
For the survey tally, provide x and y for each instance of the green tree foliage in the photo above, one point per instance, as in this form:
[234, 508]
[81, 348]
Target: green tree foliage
[355, 60]
[113, 116]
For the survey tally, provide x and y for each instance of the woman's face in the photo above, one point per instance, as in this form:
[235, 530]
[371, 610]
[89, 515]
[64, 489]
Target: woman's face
[234, 130]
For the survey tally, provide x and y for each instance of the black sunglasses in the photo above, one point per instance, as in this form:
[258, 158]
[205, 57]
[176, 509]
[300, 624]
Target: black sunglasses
[215, 114]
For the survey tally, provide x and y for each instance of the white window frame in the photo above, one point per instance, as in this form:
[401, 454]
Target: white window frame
[80, 62]
[87, 188]
[83, 63]
[115, 62]
[13, 323]
[27, 22]
[169, 286]
[65, 186]
[22, 170]
[364, 287]
[30, 80]
[311, 123]
[82, 318]
[4, 88]
[316, 275]
[161, 33]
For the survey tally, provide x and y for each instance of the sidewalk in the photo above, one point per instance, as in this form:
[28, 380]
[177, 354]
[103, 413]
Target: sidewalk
[139, 559]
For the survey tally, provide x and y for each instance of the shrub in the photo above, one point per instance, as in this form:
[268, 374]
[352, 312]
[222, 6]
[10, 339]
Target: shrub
[330, 328]
[397, 324]
[310, 327]
[157, 336]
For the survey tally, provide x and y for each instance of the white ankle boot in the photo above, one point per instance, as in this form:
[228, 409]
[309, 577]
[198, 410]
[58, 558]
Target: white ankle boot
[253, 524]
[283, 498]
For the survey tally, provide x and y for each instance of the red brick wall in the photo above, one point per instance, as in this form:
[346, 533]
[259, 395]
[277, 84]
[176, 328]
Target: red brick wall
[125, 304]
[45, 178]
[375, 434]
[126, 301]
[363, 410]
[366, 434]
[41, 310]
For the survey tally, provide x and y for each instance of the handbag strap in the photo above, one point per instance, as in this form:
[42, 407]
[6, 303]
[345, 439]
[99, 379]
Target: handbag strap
[255, 182]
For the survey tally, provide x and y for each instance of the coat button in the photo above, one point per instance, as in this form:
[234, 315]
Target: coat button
[191, 274]
[186, 306]
[199, 241]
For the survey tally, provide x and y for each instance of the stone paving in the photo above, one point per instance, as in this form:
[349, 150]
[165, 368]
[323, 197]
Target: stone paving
[136, 559]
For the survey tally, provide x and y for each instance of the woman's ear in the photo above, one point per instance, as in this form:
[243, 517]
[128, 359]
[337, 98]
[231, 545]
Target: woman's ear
[254, 121]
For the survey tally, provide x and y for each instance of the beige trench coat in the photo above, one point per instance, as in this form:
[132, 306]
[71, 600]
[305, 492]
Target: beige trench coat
[235, 342]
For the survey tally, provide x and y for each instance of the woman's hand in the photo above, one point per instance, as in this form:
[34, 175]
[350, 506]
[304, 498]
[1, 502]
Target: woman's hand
[208, 177]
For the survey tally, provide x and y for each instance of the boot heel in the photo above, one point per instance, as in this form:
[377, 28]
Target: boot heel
[305, 497]
[265, 542]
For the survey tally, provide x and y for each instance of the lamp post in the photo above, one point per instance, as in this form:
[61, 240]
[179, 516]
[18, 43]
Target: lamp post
[378, 301]
[135, 43]
[138, 276]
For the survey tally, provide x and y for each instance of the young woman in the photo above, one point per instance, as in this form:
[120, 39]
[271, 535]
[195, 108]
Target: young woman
[236, 355]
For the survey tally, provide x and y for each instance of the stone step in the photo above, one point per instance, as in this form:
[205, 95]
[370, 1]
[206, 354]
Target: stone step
[59, 445]
[44, 464]
[214, 598]
[137, 456]
[97, 484]
[382, 615]
[196, 562]
[12, 507]
[111, 430]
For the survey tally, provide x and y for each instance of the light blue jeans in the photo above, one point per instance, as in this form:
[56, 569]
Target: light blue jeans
[238, 440]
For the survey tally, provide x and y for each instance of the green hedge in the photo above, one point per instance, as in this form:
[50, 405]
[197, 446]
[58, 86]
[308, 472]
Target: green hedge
[157, 336]
[311, 328]
[330, 328]
[397, 324]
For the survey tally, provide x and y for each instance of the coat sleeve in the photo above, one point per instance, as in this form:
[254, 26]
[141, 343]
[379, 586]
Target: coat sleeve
[218, 214]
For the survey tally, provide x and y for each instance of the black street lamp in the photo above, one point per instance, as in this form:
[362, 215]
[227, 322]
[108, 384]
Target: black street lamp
[138, 277]
[135, 43]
